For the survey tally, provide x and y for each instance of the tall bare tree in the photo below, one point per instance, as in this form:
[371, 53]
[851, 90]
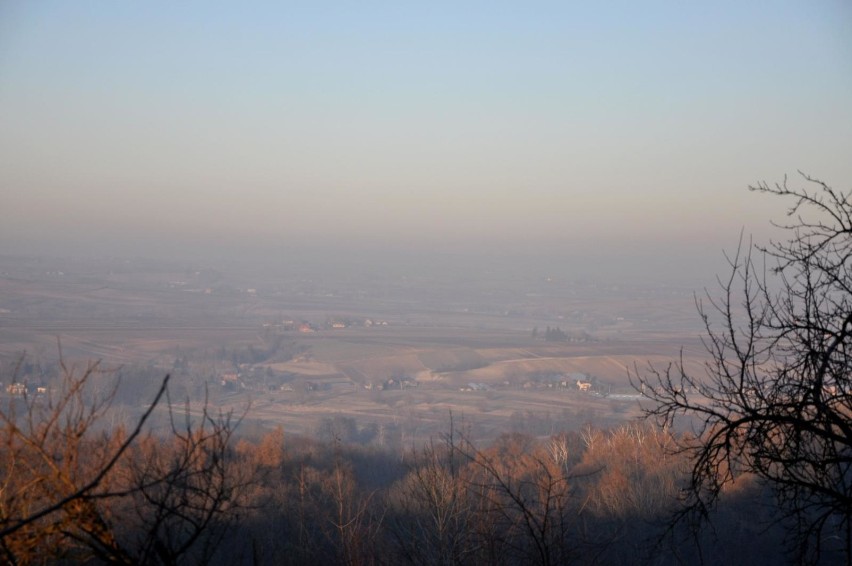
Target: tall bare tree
[528, 495]
[775, 399]
[435, 523]
[72, 489]
[185, 490]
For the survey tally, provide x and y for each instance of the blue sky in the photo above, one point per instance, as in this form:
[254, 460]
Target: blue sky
[618, 127]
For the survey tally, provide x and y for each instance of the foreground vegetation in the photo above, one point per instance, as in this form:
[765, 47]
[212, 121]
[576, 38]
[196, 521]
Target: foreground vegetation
[764, 477]
[76, 489]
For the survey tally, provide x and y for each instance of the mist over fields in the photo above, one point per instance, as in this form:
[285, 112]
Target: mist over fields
[406, 263]
[390, 214]
[303, 341]
[182, 187]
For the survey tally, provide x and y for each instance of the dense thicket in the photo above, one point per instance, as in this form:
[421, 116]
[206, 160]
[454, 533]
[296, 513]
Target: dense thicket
[191, 493]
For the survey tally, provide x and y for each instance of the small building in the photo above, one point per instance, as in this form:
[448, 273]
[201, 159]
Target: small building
[16, 388]
[231, 381]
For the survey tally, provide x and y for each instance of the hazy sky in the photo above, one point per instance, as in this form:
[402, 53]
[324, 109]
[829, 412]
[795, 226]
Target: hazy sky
[587, 128]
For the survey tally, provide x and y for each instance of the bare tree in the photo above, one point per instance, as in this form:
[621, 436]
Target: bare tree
[528, 495]
[72, 490]
[775, 400]
[55, 472]
[435, 510]
[352, 526]
[184, 490]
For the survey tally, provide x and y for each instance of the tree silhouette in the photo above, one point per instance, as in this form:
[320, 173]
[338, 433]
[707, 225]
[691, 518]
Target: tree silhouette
[72, 490]
[776, 397]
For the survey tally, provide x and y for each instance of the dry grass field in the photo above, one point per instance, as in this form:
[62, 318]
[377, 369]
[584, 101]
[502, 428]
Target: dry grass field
[129, 317]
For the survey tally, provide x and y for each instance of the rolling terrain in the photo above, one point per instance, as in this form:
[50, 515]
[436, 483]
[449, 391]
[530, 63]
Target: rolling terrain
[397, 353]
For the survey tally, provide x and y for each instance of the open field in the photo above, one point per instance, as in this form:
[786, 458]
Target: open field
[396, 355]
[421, 414]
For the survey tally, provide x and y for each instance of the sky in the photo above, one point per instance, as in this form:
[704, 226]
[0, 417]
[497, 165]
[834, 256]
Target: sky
[609, 132]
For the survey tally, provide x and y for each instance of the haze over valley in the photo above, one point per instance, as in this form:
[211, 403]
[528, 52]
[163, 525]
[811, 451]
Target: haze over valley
[397, 348]
[391, 214]
[425, 283]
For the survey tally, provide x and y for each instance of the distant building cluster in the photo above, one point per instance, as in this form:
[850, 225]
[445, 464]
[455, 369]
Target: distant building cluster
[17, 388]
[332, 323]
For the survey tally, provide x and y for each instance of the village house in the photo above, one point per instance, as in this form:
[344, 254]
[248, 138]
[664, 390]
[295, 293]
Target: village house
[16, 388]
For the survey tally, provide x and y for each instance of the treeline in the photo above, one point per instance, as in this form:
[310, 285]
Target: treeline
[192, 493]
[589, 497]
[558, 335]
